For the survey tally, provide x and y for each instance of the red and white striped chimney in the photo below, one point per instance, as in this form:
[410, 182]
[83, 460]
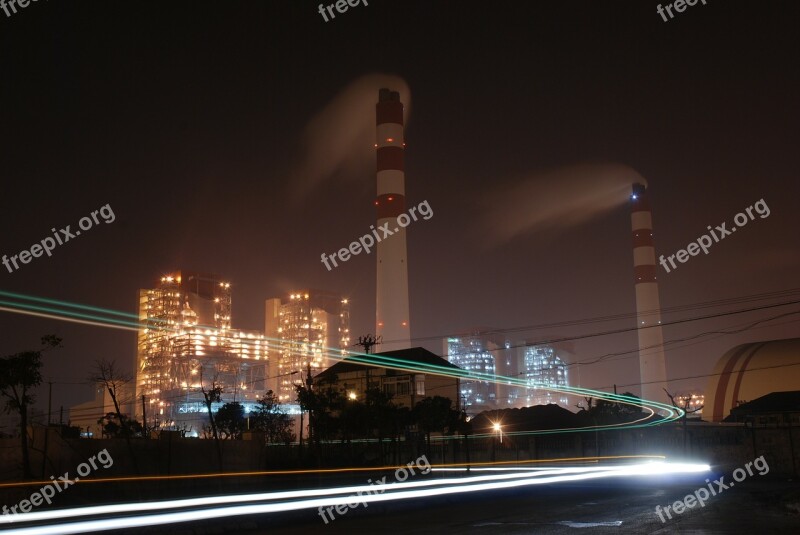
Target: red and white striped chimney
[652, 365]
[391, 311]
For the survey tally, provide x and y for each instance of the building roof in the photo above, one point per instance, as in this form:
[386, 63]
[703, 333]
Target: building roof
[771, 403]
[415, 354]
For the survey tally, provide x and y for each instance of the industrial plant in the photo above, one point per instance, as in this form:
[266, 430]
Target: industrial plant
[186, 345]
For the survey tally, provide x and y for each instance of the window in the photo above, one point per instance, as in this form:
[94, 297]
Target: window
[397, 386]
[420, 384]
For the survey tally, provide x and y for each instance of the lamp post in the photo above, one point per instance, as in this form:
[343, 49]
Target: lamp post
[499, 429]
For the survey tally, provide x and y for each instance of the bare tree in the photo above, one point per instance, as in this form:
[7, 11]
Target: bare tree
[108, 374]
[211, 396]
[685, 406]
[686, 412]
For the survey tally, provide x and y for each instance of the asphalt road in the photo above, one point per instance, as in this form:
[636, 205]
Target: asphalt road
[756, 505]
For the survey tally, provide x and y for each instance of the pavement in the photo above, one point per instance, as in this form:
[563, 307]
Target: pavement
[756, 505]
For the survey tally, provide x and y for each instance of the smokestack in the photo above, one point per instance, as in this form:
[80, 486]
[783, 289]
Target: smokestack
[391, 311]
[652, 366]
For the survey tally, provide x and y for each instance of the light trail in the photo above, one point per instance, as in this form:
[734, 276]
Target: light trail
[324, 471]
[375, 360]
[62, 318]
[322, 498]
[69, 305]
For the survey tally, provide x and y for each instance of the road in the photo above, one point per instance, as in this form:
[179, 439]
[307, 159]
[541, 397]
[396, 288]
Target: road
[755, 506]
[591, 498]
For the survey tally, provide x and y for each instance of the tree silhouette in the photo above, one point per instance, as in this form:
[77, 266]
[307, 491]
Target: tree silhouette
[605, 412]
[112, 428]
[108, 374]
[19, 374]
[211, 396]
[231, 421]
[433, 415]
[271, 419]
[686, 412]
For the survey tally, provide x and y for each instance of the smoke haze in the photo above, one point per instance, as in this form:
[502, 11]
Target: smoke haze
[558, 199]
[340, 140]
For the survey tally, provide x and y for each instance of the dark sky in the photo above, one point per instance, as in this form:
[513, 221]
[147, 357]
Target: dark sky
[188, 118]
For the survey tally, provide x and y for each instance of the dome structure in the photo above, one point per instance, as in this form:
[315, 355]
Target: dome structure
[750, 371]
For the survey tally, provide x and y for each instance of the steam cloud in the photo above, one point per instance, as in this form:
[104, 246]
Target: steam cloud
[559, 199]
[340, 139]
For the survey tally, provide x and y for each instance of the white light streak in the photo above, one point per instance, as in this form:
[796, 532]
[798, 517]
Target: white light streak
[323, 497]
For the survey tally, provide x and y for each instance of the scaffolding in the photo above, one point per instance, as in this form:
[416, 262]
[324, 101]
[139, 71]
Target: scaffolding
[309, 322]
[186, 345]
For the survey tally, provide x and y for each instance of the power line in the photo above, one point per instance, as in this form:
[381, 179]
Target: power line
[736, 300]
[792, 292]
[678, 340]
[787, 365]
[631, 329]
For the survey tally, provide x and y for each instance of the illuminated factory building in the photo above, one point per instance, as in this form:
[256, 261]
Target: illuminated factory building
[693, 401]
[538, 365]
[301, 327]
[472, 353]
[543, 367]
[187, 342]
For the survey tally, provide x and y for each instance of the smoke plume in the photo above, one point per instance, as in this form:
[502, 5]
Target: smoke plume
[558, 199]
[340, 140]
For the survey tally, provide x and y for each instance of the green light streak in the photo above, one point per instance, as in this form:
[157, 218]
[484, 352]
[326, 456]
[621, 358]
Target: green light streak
[24, 306]
[380, 361]
[68, 304]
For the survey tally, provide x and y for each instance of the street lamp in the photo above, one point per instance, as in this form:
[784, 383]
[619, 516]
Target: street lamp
[499, 429]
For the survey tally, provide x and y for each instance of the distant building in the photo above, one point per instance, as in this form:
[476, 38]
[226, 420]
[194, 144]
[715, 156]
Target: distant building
[542, 368]
[535, 364]
[508, 363]
[301, 328]
[474, 353]
[693, 401]
[778, 409]
[406, 388]
[187, 344]
[86, 415]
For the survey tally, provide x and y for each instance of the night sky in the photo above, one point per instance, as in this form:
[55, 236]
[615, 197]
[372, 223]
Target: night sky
[191, 119]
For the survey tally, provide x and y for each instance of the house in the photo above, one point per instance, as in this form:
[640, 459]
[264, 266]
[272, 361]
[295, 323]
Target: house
[407, 388]
[778, 409]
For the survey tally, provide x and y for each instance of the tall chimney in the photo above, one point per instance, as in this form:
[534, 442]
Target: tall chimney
[652, 366]
[391, 311]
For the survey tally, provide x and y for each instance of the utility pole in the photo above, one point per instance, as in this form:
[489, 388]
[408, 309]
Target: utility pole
[686, 412]
[312, 435]
[49, 401]
[368, 342]
[144, 416]
[47, 429]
